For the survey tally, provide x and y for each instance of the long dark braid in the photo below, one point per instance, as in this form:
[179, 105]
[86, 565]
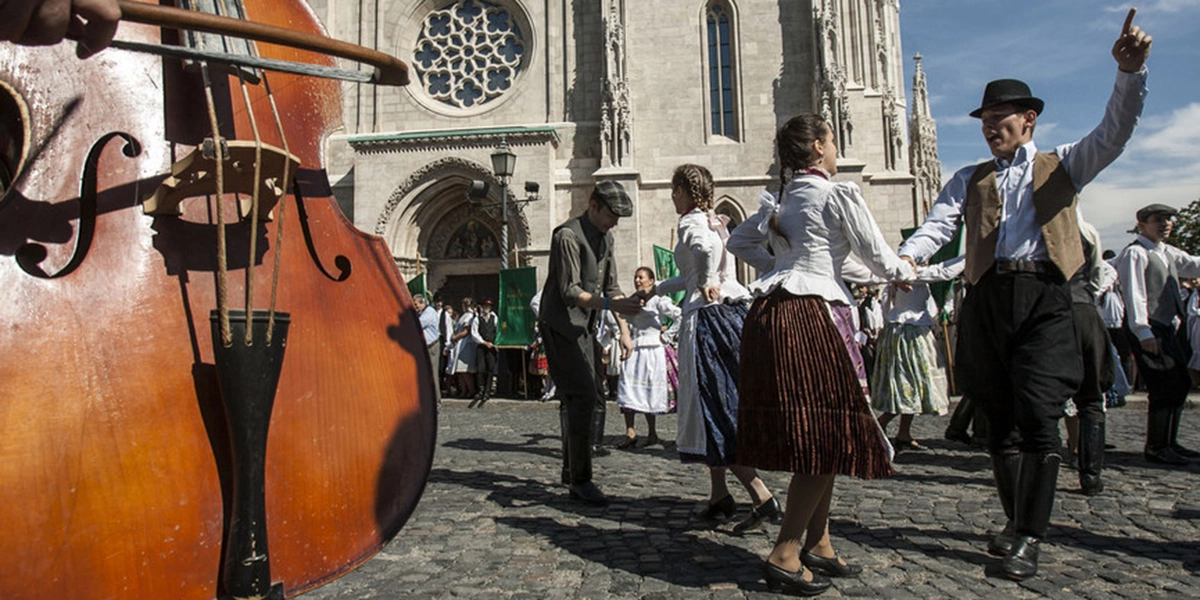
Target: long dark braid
[698, 182]
[794, 143]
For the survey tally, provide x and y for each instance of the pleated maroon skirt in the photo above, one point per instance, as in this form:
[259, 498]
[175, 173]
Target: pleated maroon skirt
[802, 405]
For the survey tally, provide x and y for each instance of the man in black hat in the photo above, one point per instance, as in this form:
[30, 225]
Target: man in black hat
[1022, 245]
[1149, 270]
[582, 282]
[483, 331]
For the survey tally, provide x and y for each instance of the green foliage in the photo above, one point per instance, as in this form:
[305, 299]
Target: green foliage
[1186, 234]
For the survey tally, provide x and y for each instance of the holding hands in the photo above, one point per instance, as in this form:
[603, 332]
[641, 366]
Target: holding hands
[1133, 46]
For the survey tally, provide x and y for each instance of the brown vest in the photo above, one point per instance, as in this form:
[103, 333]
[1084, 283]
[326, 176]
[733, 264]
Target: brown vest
[1054, 198]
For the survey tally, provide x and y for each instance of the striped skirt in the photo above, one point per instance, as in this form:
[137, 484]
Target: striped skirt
[802, 406]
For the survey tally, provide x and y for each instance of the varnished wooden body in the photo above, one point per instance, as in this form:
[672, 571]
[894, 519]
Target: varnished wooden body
[114, 455]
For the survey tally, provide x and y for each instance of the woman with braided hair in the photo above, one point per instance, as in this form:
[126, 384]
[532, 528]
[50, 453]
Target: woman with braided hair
[804, 407]
[711, 327]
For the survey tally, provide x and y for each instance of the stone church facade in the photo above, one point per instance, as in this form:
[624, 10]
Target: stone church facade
[583, 90]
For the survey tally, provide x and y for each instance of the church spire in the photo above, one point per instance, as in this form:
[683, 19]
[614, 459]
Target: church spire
[922, 146]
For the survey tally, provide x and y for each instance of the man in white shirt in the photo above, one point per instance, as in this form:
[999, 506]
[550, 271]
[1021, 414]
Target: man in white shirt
[433, 342]
[1022, 233]
[483, 331]
[1150, 269]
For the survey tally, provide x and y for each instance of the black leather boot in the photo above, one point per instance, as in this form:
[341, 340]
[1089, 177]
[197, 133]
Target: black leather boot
[1004, 468]
[1173, 441]
[1091, 455]
[578, 456]
[1158, 438]
[1036, 480]
[598, 415]
[960, 421]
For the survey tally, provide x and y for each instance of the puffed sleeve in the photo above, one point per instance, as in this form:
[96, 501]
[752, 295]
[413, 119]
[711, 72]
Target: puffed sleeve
[866, 240]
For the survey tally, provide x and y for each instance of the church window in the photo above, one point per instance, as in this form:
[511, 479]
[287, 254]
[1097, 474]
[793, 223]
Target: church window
[468, 53]
[721, 75]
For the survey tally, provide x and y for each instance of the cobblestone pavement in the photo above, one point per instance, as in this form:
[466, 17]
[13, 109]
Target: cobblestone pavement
[495, 523]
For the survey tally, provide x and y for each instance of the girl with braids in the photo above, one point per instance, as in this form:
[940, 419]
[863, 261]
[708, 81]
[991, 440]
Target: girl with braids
[711, 326]
[804, 407]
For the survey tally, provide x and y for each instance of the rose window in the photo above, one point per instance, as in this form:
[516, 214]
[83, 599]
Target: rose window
[468, 53]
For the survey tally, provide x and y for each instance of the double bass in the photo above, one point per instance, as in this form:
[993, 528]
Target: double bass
[213, 385]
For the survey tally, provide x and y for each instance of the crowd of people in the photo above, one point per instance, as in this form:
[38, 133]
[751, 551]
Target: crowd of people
[772, 376]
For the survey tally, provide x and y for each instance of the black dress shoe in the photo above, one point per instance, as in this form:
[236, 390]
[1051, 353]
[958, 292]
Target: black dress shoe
[599, 450]
[1021, 562]
[830, 567]
[792, 582]
[719, 511]
[1184, 452]
[588, 493]
[768, 510]
[958, 436]
[1166, 456]
[1002, 544]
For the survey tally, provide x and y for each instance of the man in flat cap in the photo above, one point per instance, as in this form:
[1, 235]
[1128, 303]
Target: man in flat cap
[1149, 270]
[1022, 245]
[582, 282]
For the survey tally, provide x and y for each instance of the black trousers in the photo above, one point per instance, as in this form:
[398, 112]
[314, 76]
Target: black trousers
[1098, 365]
[485, 369]
[1165, 374]
[574, 367]
[1019, 357]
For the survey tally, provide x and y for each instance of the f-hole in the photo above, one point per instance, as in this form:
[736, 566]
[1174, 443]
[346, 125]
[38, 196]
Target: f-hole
[14, 136]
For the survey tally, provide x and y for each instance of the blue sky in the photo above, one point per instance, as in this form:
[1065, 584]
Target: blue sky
[1062, 49]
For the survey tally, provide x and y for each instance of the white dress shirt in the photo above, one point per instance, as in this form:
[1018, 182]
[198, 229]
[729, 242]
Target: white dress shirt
[822, 223]
[1108, 299]
[698, 254]
[918, 307]
[1019, 236]
[1131, 268]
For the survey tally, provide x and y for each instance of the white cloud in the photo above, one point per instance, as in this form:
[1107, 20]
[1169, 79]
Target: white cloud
[1175, 136]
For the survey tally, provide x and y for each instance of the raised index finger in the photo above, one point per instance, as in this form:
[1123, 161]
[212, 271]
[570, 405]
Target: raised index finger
[1128, 21]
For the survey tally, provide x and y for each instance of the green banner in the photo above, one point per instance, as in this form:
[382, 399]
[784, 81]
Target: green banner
[942, 289]
[664, 267]
[517, 288]
[416, 285]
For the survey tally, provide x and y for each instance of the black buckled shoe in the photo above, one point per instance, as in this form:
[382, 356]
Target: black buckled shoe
[1021, 563]
[1166, 456]
[830, 567]
[792, 582]
[1002, 544]
[767, 511]
[719, 511]
[588, 493]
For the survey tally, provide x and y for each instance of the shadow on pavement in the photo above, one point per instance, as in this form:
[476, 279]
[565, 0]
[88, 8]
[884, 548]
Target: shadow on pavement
[647, 537]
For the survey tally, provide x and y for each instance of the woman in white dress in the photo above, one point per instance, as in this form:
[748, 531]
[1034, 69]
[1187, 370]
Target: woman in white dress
[714, 310]
[462, 358]
[643, 388]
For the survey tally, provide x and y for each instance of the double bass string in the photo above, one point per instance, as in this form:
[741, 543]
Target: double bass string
[253, 208]
[283, 184]
[222, 266]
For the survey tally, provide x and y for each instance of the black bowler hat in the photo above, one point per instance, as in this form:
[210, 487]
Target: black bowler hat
[613, 195]
[1008, 91]
[1155, 209]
